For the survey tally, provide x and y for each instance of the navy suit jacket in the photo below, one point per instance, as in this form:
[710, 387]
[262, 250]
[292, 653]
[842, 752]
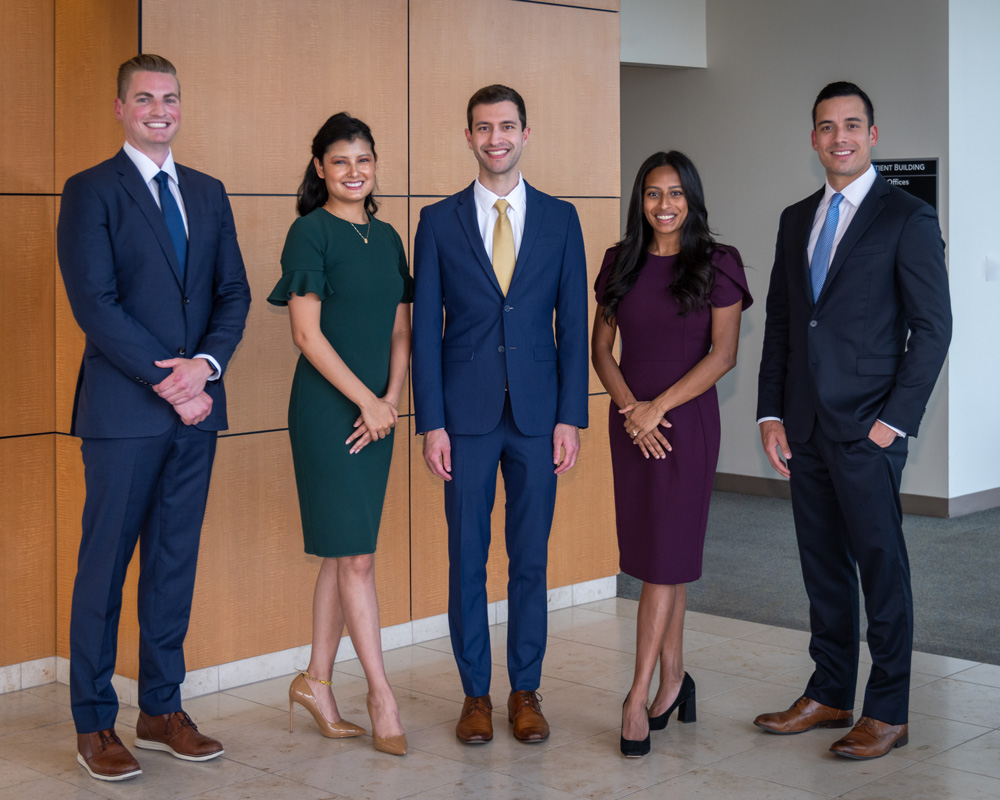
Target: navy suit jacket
[127, 294]
[872, 345]
[491, 342]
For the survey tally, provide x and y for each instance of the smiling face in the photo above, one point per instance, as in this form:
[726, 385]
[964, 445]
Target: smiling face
[348, 170]
[151, 113]
[496, 139]
[843, 139]
[665, 208]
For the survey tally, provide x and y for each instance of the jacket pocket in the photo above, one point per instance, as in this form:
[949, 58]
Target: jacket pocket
[878, 365]
[457, 353]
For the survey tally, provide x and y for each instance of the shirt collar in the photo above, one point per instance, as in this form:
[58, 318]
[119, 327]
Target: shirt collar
[855, 191]
[485, 199]
[147, 167]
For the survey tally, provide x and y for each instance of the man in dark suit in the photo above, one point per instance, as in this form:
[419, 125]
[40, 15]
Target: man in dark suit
[155, 278]
[858, 326]
[491, 266]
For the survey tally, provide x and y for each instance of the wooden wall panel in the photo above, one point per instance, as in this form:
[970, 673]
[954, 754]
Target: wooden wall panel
[259, 78]
[564, 63]
[26, 97]
[254, 587]
[27, 550]
[27, 267]
[259, 377]
[92, 38]
[582, 545]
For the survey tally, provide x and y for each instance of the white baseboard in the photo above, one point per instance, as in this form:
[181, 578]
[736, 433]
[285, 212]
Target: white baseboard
[273, 665]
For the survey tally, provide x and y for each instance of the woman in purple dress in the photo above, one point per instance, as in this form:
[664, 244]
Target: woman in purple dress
[676, 296]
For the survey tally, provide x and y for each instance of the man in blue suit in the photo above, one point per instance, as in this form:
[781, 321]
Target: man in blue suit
[858, 326]
[492, 265]
[155, 278]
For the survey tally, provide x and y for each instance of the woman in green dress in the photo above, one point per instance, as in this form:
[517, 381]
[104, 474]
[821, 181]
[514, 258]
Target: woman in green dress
[347, 287]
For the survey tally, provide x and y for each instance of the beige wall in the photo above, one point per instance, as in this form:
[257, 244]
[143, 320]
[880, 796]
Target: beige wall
[258, 78]
[745, 121]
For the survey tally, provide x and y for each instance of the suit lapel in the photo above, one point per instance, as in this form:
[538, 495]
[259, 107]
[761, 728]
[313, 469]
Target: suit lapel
[470, 224]
[132, 183]
[534, 211]
[801, 245]
[870, 208]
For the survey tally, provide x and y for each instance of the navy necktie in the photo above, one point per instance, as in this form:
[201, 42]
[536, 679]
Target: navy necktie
[173, 218]
[824, 246]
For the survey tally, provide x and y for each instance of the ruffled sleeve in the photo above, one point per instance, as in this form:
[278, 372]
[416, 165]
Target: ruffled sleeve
[303, 267]
[730, 279]
[601, 284]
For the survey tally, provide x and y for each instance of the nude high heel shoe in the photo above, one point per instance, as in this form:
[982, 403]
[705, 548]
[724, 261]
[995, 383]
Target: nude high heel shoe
[299, 692]
[394, 745]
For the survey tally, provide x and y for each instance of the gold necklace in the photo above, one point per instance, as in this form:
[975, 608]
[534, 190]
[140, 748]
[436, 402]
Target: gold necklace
[368, 230]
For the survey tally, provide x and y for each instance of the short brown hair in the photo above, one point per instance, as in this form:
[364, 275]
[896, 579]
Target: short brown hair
[497, 93]
[144, 62]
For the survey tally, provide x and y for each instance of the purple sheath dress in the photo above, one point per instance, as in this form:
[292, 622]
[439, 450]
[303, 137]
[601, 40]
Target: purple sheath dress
[661, 506]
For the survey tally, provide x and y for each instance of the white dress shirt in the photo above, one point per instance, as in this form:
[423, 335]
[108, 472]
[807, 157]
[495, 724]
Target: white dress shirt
[486, 214]
[148, 169]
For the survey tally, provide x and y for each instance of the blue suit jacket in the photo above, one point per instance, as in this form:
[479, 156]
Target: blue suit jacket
[489, 341]
[127, 294]
[872, 345]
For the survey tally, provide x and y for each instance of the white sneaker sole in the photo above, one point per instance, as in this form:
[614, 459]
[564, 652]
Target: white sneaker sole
[123, 777]
[149, 744]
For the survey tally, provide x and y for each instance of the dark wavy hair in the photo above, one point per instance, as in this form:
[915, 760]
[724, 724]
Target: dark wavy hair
[695, 270]
[340, 127]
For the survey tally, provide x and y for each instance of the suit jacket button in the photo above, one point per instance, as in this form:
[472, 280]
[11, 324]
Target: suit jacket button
[181, 351]
[508, 308]
[812, 323]
[500, 349]
[187, 300]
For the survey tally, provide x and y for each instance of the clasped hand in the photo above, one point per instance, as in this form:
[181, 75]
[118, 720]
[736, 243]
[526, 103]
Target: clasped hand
[642, 423]
[377, 420]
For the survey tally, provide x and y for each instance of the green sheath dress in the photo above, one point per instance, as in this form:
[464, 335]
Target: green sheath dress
[360, 286]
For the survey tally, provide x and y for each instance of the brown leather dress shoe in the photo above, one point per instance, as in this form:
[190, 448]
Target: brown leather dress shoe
[804, 715]
[104, 756]
[475, 726]
[526, 716]
[871, 739]
[176, 734]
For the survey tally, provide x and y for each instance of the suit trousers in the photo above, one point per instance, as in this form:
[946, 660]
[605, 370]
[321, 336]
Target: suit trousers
[530, 488]
[156, 486]
[848, 521]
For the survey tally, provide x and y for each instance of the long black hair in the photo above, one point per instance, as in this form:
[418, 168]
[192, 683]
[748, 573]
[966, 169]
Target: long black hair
[695, 270]
[340, 127]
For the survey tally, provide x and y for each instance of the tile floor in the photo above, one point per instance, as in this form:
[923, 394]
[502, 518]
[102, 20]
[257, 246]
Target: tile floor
[741, 669]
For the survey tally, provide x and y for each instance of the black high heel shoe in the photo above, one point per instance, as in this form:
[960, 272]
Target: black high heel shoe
[633, 748]
[684, 703]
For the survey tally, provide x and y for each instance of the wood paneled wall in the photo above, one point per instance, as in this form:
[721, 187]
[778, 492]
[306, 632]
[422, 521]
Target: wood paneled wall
[258, 78]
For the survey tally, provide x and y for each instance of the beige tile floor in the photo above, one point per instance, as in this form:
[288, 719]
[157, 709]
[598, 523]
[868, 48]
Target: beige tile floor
[741, 669]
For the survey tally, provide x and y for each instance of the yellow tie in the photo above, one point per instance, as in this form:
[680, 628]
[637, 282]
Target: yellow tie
[503, 246]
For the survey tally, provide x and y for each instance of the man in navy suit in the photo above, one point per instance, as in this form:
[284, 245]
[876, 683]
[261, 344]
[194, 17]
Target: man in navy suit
[492, 264]
[858, 326]
[155, 278]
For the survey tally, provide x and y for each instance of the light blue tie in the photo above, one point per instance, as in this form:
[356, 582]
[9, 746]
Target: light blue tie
[173, 218]
[824, 245]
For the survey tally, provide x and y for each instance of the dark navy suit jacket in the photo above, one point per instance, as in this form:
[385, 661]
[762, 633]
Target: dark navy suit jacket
[491, 342]
[872, 345]
[127, 294]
